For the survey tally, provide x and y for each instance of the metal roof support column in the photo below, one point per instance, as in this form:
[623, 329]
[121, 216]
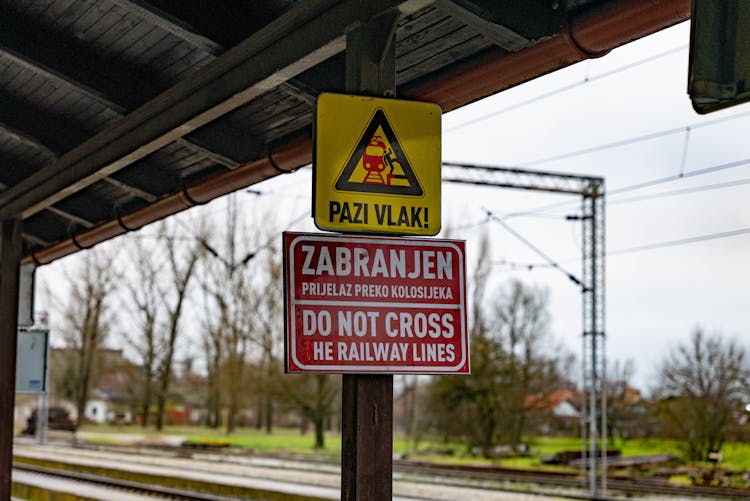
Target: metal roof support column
[367, 407]
[10, 259]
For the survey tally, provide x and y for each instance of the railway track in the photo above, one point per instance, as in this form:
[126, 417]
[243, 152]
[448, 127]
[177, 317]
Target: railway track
[234, 480]
[643, 485]
[128, 490]
[543, 483]
[158, 492]
[125, 486]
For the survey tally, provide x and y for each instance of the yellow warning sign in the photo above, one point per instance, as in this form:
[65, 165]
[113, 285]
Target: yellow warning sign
[377, 165]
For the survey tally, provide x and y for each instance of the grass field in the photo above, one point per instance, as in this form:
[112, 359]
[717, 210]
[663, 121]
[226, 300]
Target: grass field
[736, 454]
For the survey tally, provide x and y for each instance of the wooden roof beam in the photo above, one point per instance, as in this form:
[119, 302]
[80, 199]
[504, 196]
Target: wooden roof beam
[296, 88]
[134, 191]
[70, 217]
[171, 24]
[309, 33]
[189, 34]
[52, 137]
[497, 33]
[30, 237]
[510, 24]
[35, 240]
[24, 138]
[198, 140]
[59, 62]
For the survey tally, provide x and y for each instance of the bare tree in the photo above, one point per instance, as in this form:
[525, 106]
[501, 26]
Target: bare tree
[702, 386]
[182, 261]
[144, 299]
[234, 293]
[484, 354]
[473, 400]
[482, 272]
[88, 318]
[627, 416]
[234, 305]
[268, 325]
[514, 368]
[529, 365]
[408, 398]
[314, 396]
[212, 350]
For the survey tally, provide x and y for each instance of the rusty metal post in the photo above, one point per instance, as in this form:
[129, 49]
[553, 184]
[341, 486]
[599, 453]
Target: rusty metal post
[367, 403]
[10, 256]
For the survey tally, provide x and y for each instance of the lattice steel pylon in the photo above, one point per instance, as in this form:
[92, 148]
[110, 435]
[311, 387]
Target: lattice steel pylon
[593, 359]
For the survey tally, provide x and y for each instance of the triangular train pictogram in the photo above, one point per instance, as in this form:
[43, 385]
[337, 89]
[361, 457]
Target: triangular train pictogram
[378, 163]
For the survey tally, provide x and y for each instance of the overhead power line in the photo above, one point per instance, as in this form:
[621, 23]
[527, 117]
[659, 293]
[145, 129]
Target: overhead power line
[677, 177]
[469, 226]
[696, 189]
[654, 196]
[568, 87]
[512, 266]
[681, 241]
[633, 140]
[537, 250]
[668, 243]
[634, 187]
[515, 265]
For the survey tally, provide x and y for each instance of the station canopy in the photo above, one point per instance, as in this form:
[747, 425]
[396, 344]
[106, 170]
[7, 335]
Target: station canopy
[117, 113]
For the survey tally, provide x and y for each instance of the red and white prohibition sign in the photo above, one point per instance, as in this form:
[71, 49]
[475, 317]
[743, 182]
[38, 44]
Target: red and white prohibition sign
[360, 304]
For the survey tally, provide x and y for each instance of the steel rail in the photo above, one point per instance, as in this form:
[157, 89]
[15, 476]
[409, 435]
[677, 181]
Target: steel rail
[616, 484]
[128, 485]
[155, 490]
[565, 479]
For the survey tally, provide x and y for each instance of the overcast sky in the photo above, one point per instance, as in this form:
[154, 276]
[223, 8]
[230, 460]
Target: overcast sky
[654, 297]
